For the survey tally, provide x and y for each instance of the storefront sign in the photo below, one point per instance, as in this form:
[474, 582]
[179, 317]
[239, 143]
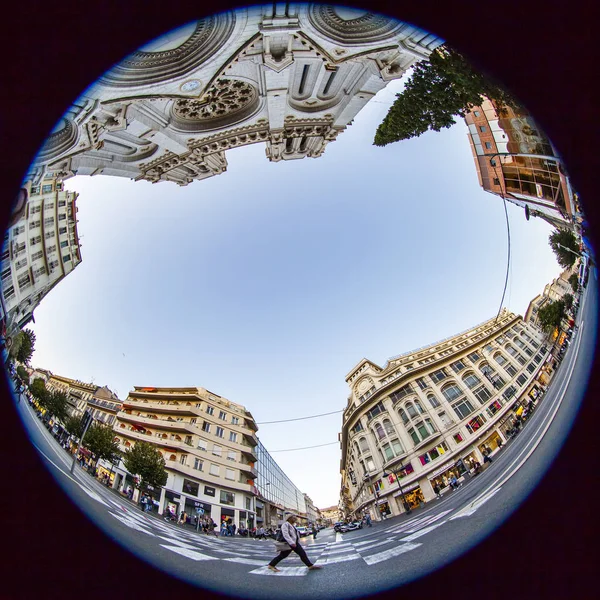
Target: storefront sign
[441, 469]
[408, 488]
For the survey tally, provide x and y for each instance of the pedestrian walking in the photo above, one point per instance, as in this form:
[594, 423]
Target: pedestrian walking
[288, 541]
[369, 520]
[314, 532]
[233, 528]
[436, 489]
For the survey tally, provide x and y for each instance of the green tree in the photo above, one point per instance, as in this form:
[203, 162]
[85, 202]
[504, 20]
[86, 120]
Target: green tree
[39, 391]
[564, 245]
[26, 346]
[56, 404]
[574, 281]
[147, 462]
[23, 375]
[100, 441]
[568, 301]
[439, 89]
[74, 426]
[550, 315]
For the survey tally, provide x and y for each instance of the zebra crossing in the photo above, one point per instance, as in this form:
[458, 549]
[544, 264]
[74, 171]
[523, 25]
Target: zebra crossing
[368, 550]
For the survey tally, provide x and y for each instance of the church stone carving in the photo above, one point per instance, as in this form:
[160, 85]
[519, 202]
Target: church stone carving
[292, 80]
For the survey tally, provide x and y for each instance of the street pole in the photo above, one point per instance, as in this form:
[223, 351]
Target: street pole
[88, 421]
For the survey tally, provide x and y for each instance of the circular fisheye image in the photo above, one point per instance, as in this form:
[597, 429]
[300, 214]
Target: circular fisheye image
[298, 303]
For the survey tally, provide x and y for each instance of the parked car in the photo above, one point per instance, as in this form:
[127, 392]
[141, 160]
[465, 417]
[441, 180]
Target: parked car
[338, 525]
[303, 531]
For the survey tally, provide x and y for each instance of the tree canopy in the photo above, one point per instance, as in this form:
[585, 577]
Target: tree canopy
[23, 375]
[39, 391]
[564, 245]
[574, 281]
[439, 89]
[148, 463]
[25, 345]
[100, 441]
[551, 314]
[568, 300]
[74, 426]
[56, 404]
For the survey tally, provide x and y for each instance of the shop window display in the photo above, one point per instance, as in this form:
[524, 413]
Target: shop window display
[474, 424]
[434, 453]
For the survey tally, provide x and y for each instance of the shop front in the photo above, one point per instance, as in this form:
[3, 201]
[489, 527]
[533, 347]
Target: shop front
[491, 443]
[413, 496]
[459, 468]
[198, 508]
[105, 476]
[227, 514]
[383, 506]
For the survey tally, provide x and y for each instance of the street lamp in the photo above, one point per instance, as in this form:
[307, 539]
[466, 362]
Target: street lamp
[395, 473]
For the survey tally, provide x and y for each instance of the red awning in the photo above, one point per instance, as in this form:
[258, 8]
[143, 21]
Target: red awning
[85, 451]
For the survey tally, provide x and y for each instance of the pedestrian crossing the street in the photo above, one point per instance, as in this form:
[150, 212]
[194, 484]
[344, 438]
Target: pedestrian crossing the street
[256, 554]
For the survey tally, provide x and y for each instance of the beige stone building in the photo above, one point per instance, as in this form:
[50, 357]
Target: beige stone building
[39, 250]
[290, 76]
[209, 446]
[428, 412]
[330, 515]
[102, 402]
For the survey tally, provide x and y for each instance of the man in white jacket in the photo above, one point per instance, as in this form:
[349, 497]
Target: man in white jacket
[292, 542]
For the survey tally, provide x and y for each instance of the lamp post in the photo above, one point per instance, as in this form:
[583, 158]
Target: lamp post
[395, 473]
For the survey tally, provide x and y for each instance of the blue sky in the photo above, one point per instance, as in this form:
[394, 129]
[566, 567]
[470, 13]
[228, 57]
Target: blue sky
[268, 283]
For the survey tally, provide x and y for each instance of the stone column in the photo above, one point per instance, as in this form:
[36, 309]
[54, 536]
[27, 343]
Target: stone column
[161, 501]
[427, 489]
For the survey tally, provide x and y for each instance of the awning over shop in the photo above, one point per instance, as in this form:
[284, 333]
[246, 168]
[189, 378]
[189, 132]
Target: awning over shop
[85, 451]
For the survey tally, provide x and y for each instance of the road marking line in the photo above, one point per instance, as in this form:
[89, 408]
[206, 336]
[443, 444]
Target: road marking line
[189, 553]
[246, 561]
[471, 508]
[387, 554]
[283, 571]
[375, 544]
[131, 524]
[337, 559]
[422, 532]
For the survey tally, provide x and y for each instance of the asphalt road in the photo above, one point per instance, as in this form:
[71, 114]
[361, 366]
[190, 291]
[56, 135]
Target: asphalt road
[361, 562]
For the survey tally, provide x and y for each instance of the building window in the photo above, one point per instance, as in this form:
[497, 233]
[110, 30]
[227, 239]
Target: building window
[209, 491]
[220, 432]
[422, 383]
[433, 453]
[401, 393]
[403, 416]
[248, 503]
[210, 410]
[20, 264]
[190, 487]
[46, 188]
[214, 469]
[410, 409]
[66, 258]
[227, 498]
[438, 375]
[198, 464]
[458, 366]
[511, 370]
[235, 421]
[64, 244]
[433, 401]
[364, 445]
[222, 415]
[62, 217]
[471, 380]
[510, 392]
[36, 240]
[423, 433]
[458, 438]
[377, 409]
[358, 427]
[500, 359]
[476, 113]
[463, 408]
[474, 357]
[451, 392]
[482, 128]
[37, 255]
[24, 281]
[494, 407]
[474, 424]
[413, 435]
[488, 145]
[202, 445]
[231, 455]
[521, 379]
[206, 426]
[379, 431]
[445, 419]
[217, 450]
[183, 459]
[482, 394]
[232, 436]
[229, 474]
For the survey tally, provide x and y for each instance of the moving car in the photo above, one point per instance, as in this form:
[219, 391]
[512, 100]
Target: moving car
[351, 526]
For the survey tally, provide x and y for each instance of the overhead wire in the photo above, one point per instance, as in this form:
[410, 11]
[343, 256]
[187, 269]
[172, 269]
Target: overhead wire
[301, 418]
[303, 448]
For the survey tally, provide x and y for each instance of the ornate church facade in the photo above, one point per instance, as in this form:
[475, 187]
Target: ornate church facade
[293, 76]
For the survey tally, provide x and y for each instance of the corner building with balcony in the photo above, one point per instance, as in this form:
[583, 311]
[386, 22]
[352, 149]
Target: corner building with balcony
[209, 446]
[430, 412]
